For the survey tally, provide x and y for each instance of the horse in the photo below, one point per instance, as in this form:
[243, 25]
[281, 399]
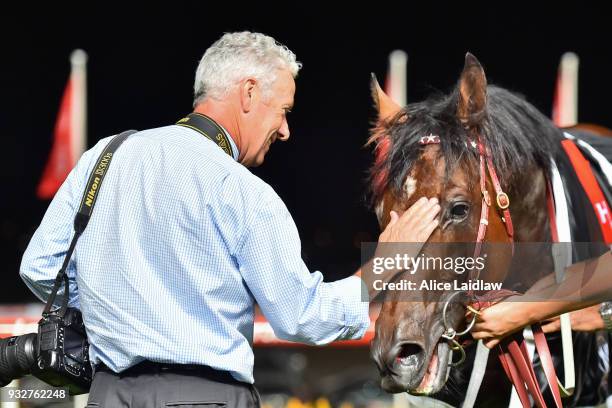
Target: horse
[487, 144]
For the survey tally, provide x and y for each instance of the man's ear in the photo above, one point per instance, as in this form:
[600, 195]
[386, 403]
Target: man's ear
[247, 93]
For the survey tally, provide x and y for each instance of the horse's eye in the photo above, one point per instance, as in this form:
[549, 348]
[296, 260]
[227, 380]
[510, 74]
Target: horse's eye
[459, 211]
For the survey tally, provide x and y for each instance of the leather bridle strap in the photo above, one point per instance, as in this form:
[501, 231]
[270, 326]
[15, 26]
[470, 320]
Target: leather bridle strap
[501, 198]
[547, 363]
[516, 363]
[515, 360]
[484, 208]
[513, 356]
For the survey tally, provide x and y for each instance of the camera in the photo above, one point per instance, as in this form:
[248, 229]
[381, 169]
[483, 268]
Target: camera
[58, 354]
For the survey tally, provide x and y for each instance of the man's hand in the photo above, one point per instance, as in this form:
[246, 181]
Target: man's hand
[415, 225]
[499, 320]
[585, 320]
[504, 318]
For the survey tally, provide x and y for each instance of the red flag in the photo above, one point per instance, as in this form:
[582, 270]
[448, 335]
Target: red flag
[69, 133]
[565, 101]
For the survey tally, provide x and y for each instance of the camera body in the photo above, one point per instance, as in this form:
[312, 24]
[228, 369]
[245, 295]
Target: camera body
[63, 352]
[58, 354]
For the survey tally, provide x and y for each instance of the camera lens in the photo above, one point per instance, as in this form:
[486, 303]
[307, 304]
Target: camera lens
[17, 356]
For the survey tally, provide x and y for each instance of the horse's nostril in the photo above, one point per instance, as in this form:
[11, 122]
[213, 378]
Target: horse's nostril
[409, 354]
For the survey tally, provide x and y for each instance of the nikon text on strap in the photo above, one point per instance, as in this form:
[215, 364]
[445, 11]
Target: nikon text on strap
[90, 195]
[208, 128]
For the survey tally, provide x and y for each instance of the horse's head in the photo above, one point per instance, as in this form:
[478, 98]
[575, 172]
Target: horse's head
[431, 149]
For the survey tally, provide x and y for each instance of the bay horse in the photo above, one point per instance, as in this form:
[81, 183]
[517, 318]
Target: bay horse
[408, 347]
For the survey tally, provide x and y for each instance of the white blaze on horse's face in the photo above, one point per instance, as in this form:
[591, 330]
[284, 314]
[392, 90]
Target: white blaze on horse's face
[379, 210]
[409, 187]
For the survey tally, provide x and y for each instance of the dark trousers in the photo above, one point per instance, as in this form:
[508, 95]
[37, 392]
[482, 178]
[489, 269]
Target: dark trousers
[168, 388]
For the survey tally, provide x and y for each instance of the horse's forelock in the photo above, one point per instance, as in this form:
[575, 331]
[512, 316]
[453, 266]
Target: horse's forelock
[517, 134]
[398, 148]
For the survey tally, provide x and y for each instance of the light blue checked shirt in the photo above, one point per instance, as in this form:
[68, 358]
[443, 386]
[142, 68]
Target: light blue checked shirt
[182, 243]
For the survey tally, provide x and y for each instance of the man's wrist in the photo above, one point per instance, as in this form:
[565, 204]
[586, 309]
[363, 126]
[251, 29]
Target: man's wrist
[537, 312]
[605, 311]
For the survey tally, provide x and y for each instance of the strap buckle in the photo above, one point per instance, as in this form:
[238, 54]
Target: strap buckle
[503, 201]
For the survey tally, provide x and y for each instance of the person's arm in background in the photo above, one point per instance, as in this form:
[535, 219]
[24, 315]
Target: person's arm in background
[47, 249]
[298, 304]
[587, 283]
[587, 319]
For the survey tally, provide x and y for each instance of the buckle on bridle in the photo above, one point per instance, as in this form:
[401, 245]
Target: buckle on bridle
[486, 197]
[503, 201]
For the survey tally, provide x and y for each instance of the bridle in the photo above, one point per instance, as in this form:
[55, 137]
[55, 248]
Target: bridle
[503, 203]
[513, 355]
[501, 198]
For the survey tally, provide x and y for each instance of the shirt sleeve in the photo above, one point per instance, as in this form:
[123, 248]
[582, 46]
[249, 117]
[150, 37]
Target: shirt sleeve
[47, 249]
[298, 304]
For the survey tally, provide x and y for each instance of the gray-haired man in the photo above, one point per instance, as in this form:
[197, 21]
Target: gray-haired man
[185, 240]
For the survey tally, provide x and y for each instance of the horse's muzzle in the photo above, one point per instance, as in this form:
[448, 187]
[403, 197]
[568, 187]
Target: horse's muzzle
[416, 371]
[402, 366]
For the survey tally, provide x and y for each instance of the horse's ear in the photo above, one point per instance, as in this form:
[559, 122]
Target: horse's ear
[472, 92]
[383, 103]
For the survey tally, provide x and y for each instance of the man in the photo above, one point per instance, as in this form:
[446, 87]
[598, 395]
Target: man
[185, 240]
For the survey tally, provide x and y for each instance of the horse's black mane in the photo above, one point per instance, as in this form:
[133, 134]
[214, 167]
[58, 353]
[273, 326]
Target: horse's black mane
[517, 134]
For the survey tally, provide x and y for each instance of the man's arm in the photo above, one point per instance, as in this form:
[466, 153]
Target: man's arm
[47, 249]
[587, 283]
[298, 304]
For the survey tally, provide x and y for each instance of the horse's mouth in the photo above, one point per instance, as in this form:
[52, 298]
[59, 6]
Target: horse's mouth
[408, 374]
[436, 372]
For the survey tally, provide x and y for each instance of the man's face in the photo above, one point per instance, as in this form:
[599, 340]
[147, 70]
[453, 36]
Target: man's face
[268, 119]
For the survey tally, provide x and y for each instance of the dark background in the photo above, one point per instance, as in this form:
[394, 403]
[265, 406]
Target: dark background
[142, 62]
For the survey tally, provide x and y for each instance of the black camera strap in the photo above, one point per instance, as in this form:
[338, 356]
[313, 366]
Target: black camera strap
[208, 128]
[84, 214]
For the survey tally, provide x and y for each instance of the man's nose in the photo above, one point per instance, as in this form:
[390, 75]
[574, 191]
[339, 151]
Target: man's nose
[283, 131]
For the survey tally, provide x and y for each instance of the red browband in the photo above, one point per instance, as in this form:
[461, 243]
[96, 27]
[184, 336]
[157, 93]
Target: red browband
[430, 139]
